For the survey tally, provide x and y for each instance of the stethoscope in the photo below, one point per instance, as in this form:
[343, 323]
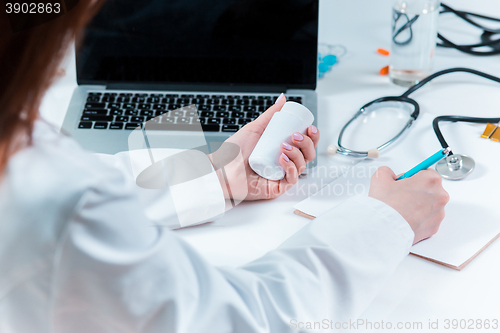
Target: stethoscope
[474, 49]
[454, 166]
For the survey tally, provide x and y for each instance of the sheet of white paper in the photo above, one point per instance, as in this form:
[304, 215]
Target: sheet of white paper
[472, 219]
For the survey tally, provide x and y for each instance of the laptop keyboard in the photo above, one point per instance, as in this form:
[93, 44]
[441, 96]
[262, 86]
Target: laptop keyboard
[216, 113]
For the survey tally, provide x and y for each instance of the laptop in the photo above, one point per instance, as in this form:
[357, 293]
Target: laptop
[229, 58]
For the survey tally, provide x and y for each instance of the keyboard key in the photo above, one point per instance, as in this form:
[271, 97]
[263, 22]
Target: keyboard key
[126, 94]
[95, 105]
[122, 119]
[217, 96]
[178, 113]
[183, 120]
[114, 105]
[95, 112]
[116, 112]
[295, 98]
[170, 120]
[238, 114]
[187, 96]
[129, 106]
[139, 99]
[108, 99]
[144, 106]
[207, 114]
[220, 108]
[131, 112]
[172, 95]
[204, 108]
[147, 113]
[258, 102]
[212, 121]
[230, 128]
[100, 125]
[253, 114]
[182, 101]
[243, 121]
[153, 100]
[116, 126]
[97, 118]
[250, 108]
[235, 108]
[141, 95]
[174, 106]
[229, 121]
[222, 114]
[210, 128]
[132, 126]
[123, 99]
[156, 95]
[95, 94]
[202, 96]
[213, 101]
[227, 102]
[167, 100]
[85, 124]
[198, 101]
[110, 94]
[137, 119]
[191, 114]
[93, 99]
[243, 102]
[159, 106]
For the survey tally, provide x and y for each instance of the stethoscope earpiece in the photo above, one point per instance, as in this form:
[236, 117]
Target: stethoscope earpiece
[373, 153]
[332, 149]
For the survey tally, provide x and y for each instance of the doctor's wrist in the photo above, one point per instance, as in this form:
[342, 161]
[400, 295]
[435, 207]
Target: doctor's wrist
[222, 179]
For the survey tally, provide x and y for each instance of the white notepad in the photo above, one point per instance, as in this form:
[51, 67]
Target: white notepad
[472, 219]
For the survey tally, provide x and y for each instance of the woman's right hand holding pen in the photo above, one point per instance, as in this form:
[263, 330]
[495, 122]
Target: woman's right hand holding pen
[420, 199]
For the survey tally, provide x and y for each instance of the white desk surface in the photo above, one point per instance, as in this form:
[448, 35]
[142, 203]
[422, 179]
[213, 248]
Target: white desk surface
[419, 291]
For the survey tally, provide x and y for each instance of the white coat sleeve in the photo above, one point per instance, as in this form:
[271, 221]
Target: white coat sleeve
[114, 271]
[196, 201]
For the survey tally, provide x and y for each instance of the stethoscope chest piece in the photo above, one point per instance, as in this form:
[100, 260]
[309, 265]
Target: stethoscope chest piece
[455, 167]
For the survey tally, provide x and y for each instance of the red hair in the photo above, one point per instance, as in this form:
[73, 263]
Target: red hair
[30, 59]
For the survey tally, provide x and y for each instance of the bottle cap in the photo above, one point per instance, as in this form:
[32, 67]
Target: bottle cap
[299, 111]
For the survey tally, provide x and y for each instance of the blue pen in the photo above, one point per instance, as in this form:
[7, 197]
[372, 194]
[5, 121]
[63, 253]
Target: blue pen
[426, 163]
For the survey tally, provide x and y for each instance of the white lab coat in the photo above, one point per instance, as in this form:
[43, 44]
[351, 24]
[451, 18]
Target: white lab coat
[78, 254]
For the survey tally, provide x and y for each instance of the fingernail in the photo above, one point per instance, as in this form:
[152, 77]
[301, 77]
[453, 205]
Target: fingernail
[286, 146]
[297, 136]
[280, 97]
[285, 157]
[314, 129]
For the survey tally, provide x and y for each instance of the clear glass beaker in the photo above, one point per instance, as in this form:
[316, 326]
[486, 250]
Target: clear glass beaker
[414, 33]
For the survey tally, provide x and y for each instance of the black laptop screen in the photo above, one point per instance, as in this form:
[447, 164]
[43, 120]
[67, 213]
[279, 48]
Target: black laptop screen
[208, 42]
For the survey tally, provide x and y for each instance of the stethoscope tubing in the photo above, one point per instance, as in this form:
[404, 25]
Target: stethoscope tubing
[414, 115]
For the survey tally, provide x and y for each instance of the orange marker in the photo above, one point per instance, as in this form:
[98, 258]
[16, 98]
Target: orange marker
[384, 71]
[383, 52]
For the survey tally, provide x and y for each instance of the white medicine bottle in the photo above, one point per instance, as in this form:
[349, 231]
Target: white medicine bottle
[264, 160]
